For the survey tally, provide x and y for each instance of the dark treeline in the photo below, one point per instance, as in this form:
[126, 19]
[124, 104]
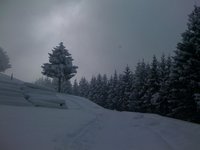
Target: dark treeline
[149, 89]
[168, 86]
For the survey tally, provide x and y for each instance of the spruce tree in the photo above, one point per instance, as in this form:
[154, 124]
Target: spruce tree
[161, 106]
[185, 77]
[104, 90]
[99, 92]
[154, 76]
[112, 98]
[60, 65]
[84, 87]
[151, 95]
[120, 95]
[93, 89]
[140, 86]
[127, 88]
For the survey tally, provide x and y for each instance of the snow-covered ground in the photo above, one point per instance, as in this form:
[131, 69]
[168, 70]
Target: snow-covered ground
[36, 118]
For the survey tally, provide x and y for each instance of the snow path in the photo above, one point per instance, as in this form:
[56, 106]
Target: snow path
[108, 133]
[133, 135]
[73, 141]
[82, 125]
[36, 128]
[111, 130]
[76, 102]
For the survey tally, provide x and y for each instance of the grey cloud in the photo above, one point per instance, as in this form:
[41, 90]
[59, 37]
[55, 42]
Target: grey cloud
[102, 35]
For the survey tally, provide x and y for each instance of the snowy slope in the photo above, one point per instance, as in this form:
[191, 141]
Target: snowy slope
[18, 93]
[83, 125]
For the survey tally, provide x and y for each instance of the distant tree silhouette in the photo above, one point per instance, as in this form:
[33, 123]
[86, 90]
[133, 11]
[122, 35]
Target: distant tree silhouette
[4, 61]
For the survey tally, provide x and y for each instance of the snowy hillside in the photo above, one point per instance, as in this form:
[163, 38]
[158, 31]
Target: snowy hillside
[17, 93]
[37, 118]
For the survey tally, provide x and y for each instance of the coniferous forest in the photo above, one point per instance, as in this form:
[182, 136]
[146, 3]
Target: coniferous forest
[168, 86]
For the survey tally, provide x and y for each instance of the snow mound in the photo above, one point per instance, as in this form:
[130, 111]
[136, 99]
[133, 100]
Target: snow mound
[10, 92]
[18, 93]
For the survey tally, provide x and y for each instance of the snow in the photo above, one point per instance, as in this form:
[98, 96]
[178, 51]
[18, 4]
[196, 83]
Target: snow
[15, 92]
[81, 124]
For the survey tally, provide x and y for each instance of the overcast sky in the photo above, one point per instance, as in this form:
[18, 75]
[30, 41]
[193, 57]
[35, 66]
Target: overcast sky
[101, 35]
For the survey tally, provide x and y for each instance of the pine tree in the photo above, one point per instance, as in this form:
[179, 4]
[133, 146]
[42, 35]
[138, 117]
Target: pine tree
[154, 76]
[84, 87]
[112, 97]
[141, 78]
[4, 61]
[60, 65]
[185, 77]
[104, 90]
[127, 88]
[120, 95]
[164, 72]
[151, 94]
[93, 89]
[109, 99]
[163, 69]
[99, 91]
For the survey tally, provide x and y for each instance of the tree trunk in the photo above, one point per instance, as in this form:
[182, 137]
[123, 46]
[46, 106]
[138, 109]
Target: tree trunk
[59, 84]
